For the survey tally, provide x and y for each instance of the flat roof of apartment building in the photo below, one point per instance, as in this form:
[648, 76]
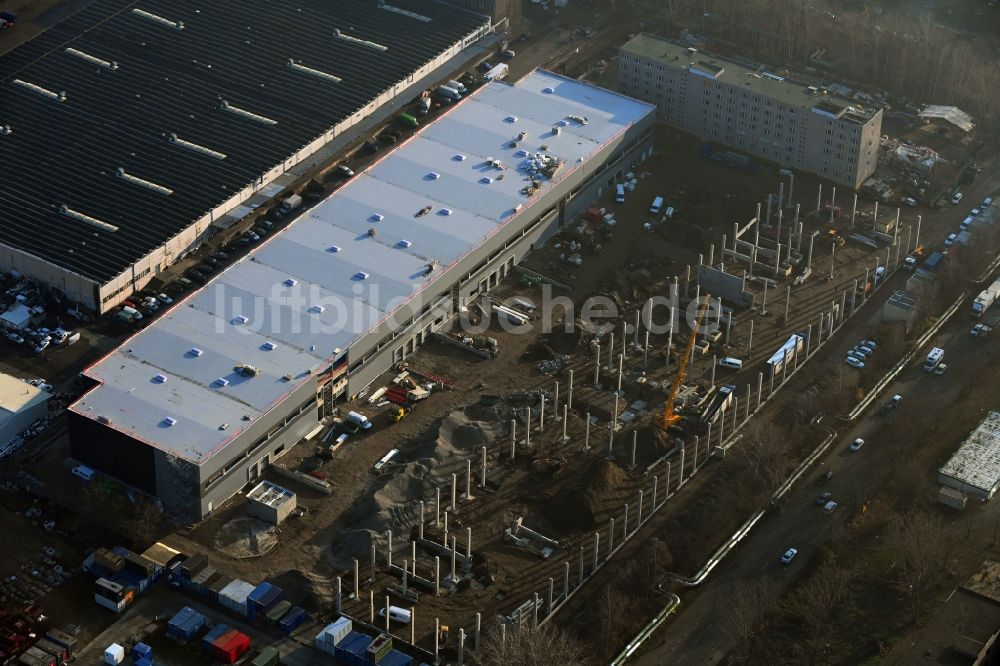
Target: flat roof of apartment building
[298, 301]
[755, 78]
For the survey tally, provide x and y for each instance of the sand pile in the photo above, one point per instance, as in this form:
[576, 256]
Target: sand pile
[579, 507]
[394, 503]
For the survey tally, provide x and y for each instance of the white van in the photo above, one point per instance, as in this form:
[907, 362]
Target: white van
[657, 205]
[731, 363]
[396, 614]
[359, 419]
[84, 472]
[620, 193]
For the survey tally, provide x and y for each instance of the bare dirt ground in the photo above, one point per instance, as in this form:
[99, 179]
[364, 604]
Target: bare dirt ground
[34, 16]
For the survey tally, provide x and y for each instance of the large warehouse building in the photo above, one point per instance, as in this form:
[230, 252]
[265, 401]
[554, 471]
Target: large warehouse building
[353, 285]
[974, 470]
[130, 128]
[752, 110]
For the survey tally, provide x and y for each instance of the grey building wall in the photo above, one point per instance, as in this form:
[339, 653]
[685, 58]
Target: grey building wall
[971, 491]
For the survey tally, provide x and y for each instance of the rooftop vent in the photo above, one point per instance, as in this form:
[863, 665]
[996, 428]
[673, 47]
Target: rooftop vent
[6, 130]
[269, 346]
[57, 96]
[433, 175]
[459, 157]
[548, 90]
[333, 248]
[318, 73]
[510, 119]
[240, 319]
[194, 351]
[83, 217]
[291, 282]
[317, 309]
[148, 184]
[92, 59]
[222, 381]
[486, 180]
[176, 25]
[249, 115]
[160, 379]
[404, 243]
[445, 211]
[522, 153]
[377, 217]
[195, 147]
[361, 275]
[360, 42]
[169, 421]
[101, 418]
[382, 4]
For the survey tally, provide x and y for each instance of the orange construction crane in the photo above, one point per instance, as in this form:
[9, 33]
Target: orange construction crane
[669, 417]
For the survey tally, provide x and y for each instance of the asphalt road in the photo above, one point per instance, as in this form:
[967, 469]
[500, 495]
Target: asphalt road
[697, 636]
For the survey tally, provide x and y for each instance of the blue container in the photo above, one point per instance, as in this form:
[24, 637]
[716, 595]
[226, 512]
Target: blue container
[209, 639]
[351, 650]
[292, 620]
[186, 623]
[142, 651]
[262, 599]
[396, 658]
[144, 662]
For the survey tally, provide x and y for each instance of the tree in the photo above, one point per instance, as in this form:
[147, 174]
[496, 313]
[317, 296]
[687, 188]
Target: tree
[144, 522]
[745, 611]
[543, 646]
[820, 598]
[920, 540]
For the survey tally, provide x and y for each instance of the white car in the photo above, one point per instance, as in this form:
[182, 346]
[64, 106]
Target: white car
[830, 506]
[909, 201]
[42, 346]
[950, 240]
[956, 199]
[854, 362]
[987, 202]
[979, 330]
[163, 298]
[789, 555]
[857, 444]
[975, 212]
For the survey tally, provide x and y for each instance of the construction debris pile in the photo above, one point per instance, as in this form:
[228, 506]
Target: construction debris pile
[538, 166]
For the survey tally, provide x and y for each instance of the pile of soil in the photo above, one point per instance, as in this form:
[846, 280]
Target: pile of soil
[577, 507]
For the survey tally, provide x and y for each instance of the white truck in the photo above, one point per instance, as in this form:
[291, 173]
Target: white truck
[986, 298]
[498, 73]
[288, 205]
[934, 359]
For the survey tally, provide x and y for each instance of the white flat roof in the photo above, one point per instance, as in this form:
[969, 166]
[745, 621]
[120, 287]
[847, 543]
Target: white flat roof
[315, 287]
[17, 395]
[977, 461]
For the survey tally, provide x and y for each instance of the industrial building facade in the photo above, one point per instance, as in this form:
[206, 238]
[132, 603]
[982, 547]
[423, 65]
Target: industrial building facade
[128, 132]
[195, 406]
[752, 110]
[498, 10]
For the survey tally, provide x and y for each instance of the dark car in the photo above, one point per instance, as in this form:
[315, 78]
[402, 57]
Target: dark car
[220, 255]
[344, 171]
[195, 276]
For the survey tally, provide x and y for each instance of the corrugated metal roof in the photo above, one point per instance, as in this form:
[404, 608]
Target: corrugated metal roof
[312, 302]
[173, 81]
[977, 461]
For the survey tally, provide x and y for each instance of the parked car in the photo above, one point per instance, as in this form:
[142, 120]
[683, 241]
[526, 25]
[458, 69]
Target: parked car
[869, 344]
[861, 352]
[950, 240]
[909, 201]
[42, 345]
[252, 235]
[830, 506]
[857, 444]
[15, 338]
[956, 199]
[163, 298]
[824, 498]
[975, 212]
[854, 362]
[196, 276]
[789, 555]
[344, 171]
[221, 256]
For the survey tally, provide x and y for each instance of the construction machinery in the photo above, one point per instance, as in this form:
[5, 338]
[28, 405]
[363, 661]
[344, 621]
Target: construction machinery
[670, 418]
[398, 413]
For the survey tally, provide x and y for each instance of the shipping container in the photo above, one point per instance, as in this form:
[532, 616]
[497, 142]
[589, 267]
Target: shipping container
[333, 634]
[200, 579]
[396, 658]
[209, 639]
[185, 624]
[275, 614]
[109, 560]
[234, 596]
[192, 565]
[231, 647]
[262, 599]
[53, 648]
[62, 638]
[205, 588]
[142, 651]
[219, 585]
[143, 662]
[41, 657]
[353, 649]
[293, 619]
[269, 656]
[379, 647]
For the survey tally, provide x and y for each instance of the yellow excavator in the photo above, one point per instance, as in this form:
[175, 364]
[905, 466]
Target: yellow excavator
[670, 417]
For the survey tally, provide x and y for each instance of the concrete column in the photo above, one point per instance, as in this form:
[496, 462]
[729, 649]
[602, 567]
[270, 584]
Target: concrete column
[670, 338]
[635, 331]
[420, 528]
[580, 579]
[565, 580]
[611, 429]
[638, 523]
[781, 195]
[788, 300]
[916, 241]
[372, 578]
[864, 290]
[666, 491]
[454, 493]
[565, 421]
[635, 435]
[760, 387]
[833, 200]
[468, 478]
[854, 210]
[819, 198]
[763, 302]
[597, 545]
[437, 575]
[513, 436]
[388, 550]
[541, 415]
[621, 371]
[809, 255]
[833, 251]
[854, 297]
[555, 402]
[386, 607]
[461, 644]
[527, 430]
[709, 432]
[413, 625]
[736, 411]
[597, 364]
[611, 351]
[687, 282]
[809, 338]
[406, 574]
[750, 341]
[371, 607]
[552, 594]
[625, 524]
[681, 470]
[611, 536]
[770, 390]
[454, 555]
[714, 363]
[569, 393]
[645, 352]
[468, 544]
[482, 475]
[654, 492]
[624, 343]
[586, 432]
[694, 460]
[534, 614]
[413, 556]
[339, 599]
[767, 220]
[875, 216]
[843, 304]
[437, 637]
[747, 417]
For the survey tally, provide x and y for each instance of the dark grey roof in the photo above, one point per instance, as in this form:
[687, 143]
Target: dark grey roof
[171, 81]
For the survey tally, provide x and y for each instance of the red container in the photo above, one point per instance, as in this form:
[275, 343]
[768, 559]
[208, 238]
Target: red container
[594, 215]
[230, 646]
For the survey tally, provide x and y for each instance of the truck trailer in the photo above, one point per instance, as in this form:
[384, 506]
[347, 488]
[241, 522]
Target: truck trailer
[986, 298]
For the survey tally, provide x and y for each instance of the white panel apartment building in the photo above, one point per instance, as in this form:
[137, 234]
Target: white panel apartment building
[752, 110]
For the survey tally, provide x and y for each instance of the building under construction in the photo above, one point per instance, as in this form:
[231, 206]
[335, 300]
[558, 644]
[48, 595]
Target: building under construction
[195, 406]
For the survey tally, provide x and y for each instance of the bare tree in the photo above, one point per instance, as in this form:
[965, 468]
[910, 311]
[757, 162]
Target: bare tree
[746, 611]
[825, 593]
[611, 609]
[542, 646]
[920, 540]
[144, 524]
